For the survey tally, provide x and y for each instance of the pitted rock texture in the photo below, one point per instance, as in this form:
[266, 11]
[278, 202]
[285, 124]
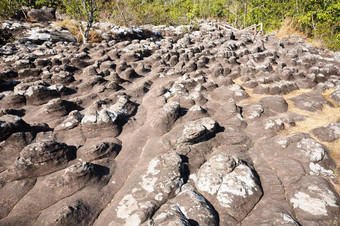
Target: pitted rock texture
[156, 126]
[235, 185]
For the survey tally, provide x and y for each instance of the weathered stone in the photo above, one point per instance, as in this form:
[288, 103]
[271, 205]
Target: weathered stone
[36, 93]
[43, 14]
[312, 101]
[202, 118]
[315, 201]
[188, 206]
[72, 120]
[336, 96]
[34, 72]
[39, 159]
[198, 130]
[276, 103]
[235, 185]
[10, 124]
[328, 133]
[100, 150]
[73, 213]
[128, 74]
[12, 192]
[157, 185]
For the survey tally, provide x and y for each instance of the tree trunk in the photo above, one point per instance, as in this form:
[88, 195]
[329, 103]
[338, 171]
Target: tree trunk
[90, 7]
[82, 33]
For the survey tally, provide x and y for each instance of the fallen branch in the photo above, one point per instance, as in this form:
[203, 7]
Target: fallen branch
[227, 27]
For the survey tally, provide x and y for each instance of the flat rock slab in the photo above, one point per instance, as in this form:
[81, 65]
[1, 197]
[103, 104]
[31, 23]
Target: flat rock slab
[328, 133]
[312, 101]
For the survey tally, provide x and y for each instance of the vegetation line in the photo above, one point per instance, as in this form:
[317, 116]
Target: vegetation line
[316, 19]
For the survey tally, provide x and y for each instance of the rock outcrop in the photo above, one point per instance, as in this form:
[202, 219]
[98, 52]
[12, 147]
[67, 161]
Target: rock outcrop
[156, 126]
[43, 14]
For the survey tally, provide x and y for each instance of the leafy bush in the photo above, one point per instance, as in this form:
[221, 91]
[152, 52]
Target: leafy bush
[49, 3]
[14, 8]
[321, 20]
[10, 8]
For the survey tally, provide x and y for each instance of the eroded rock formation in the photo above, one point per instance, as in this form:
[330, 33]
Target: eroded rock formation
[154, 126]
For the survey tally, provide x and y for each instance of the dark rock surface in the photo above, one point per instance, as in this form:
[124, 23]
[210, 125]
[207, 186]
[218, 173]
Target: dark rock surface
[328, 133]
[43, 14]
[312, 101]
[154, 126]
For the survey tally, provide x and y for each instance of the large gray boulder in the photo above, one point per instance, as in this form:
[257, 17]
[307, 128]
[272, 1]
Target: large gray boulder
[43, 14]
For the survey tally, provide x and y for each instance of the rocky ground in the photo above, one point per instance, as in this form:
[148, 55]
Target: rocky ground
[156, 126]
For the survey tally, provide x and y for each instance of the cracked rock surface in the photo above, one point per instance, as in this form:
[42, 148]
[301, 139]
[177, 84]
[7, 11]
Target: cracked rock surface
[154, 126]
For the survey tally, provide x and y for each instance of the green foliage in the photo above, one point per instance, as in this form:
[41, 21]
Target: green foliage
[74, 9]
[9, 8]
[318, 19]
[128, 12]
[80, 10]
[49, 3]
[14, 8]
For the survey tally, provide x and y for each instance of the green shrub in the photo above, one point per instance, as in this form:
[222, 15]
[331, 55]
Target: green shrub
[80, 10]
[10, 8]
[13, 8]
[49, 3]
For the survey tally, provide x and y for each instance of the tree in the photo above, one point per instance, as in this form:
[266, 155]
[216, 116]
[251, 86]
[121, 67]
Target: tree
[11, 8]
[80, 9]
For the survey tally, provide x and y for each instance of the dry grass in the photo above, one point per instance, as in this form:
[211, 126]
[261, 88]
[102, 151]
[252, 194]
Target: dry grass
[70, 25]
[316, 43]
[327, 95]
[288, 28]
[95, 37]
[38, 24]
[312, 120]
[318, 119]
[73, 27]
[315, 120]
